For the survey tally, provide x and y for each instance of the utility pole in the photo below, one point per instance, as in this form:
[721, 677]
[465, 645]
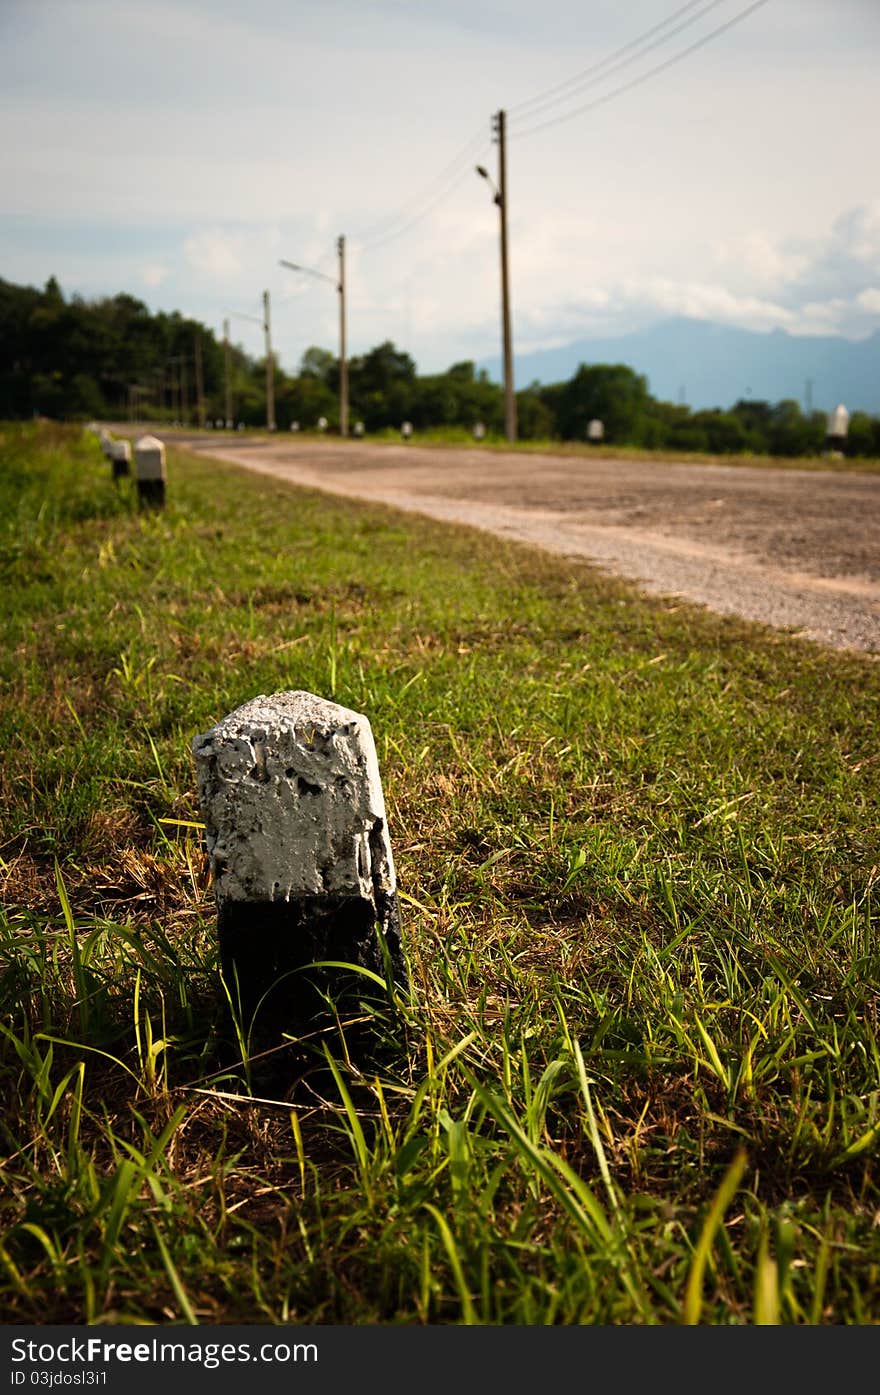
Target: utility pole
[172, 389]
[184, 392]
[200, 384]
[500, 198]
[343, 362]
[227, 385]
[509, 395]
[270, 362]
[270, 376]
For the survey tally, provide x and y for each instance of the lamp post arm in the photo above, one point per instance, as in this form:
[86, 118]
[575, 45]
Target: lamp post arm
[240, 315]
[309, 271]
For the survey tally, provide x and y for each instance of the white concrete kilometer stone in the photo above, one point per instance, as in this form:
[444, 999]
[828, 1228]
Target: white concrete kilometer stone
[120, 455]
[298, 843]
[149, 470]
[837, 428]
[595, 430]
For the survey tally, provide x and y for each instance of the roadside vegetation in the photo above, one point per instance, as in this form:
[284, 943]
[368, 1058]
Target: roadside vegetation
[638, 1078]
[72, 359]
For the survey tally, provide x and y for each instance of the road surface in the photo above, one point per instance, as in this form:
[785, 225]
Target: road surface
[796, 549]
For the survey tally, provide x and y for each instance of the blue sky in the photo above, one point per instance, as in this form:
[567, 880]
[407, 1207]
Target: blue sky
[178, 150]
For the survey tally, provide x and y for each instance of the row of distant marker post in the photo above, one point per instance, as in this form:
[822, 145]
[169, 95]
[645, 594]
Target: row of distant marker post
[149, 463]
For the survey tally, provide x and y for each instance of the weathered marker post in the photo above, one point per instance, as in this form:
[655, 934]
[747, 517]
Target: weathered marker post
[836, 431]
[120, 456]
[149, 470]
[297, 838]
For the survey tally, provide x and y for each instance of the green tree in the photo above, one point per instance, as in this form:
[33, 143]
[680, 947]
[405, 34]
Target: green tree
[613, 393]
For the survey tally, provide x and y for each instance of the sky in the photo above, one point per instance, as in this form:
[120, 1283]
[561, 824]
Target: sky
[178, 149]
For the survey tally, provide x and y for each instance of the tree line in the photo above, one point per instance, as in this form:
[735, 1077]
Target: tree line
[72, 359]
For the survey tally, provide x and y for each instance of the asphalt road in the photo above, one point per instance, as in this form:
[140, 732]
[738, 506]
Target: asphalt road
[795, 549]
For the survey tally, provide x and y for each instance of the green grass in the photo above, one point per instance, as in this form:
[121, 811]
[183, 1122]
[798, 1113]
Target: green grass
[638, 1080]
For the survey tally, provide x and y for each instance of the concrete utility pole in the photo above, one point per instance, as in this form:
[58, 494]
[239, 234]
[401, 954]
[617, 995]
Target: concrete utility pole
[270, 363]
[200, 384]
[227, 385]
[177, 382]
[500, 135]
[509, 395]
[270, 368]
[343, 362]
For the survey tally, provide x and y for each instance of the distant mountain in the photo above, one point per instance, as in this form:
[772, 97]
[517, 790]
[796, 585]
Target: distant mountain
[711, 365]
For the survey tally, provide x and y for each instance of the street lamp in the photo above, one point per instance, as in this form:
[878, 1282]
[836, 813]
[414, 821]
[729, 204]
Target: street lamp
[343, 362]
[270, 365]
[500, 198]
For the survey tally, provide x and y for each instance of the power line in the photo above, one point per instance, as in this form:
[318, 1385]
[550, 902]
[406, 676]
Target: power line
[643, 77]
[405, 227]
[547, 98]
[439, 188]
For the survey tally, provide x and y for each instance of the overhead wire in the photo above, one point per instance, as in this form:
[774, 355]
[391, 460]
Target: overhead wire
[563, 90]
[429, 197]
[448, 179]
[643, 77]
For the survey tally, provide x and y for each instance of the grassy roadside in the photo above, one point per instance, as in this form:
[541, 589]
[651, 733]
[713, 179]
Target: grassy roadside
[639, 1080]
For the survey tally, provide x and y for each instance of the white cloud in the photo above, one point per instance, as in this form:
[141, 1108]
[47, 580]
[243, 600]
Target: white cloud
[224, 254]
[761, 260]
[701, 301]
[153, 274]
[220, 138]
[214, 253]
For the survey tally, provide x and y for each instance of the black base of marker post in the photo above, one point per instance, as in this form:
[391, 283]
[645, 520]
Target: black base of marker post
[151, 493]
[281, 961]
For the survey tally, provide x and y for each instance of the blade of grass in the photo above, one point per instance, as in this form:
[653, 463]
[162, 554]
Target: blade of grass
[693, 1301]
